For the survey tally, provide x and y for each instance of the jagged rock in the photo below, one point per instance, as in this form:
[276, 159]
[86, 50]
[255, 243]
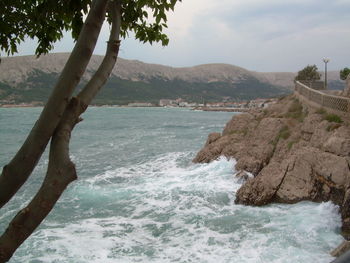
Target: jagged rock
[298, 182]
[346, 205]
[338, 143]
[212, 150]
[239, 124]
[261, 189]
[308, 174]
[250, 164]
[217, 145]
[320, 134]
[310, 122]
[314, 176]
[341, 249]
[214, 136]
[294, 155]
[258, 149]
[345, 213]
[242, 176]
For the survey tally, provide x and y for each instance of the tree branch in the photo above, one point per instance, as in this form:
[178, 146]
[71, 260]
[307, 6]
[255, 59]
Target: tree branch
[21, 166]
[61, 170]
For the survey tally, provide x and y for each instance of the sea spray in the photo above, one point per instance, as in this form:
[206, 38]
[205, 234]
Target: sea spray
[140, 199]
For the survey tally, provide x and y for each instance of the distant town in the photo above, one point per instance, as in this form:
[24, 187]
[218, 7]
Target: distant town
[240, 106]
[169, 103]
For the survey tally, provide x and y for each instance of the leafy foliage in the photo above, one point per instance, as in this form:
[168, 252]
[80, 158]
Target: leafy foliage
[330, 117]
[44, 20]
[309, 73]
[47, 20]
[333, 118]
[344, 73]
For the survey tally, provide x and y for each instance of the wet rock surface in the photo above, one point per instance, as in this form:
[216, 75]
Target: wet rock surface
[295, 153]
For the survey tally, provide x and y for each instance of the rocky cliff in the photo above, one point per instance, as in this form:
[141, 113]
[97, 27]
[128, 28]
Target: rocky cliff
[295, 153]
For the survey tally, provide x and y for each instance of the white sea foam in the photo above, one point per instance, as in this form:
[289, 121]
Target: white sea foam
[178, 212]
[140, 199]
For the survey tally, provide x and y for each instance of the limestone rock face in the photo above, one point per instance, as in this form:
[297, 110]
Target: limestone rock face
[212, 150]
[218, 145]
[261, 189]
[257, 151]
[313, 175]
[213, 137]
[294, 154]
[338, 143]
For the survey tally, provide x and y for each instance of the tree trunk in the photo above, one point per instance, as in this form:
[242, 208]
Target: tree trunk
[21, 166]
[61, 170]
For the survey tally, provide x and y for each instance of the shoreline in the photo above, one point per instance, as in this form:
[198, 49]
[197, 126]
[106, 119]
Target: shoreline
[222, 109]
[125, 106]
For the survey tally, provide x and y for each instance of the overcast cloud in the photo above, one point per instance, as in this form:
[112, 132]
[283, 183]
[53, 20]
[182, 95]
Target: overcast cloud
[261, 35]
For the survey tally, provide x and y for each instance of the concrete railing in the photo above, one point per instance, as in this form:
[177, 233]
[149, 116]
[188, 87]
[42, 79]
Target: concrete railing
[314, 84]
[336, 104]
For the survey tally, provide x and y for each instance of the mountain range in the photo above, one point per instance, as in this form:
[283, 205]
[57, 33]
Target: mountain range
[27, 79]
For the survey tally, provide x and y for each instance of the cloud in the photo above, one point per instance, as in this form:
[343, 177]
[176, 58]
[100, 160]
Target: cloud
[263, 35]
[269, 35]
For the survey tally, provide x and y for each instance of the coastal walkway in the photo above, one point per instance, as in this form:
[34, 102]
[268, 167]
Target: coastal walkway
[317, 99]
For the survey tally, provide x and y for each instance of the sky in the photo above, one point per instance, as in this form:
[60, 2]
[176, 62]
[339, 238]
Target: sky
[259, 35]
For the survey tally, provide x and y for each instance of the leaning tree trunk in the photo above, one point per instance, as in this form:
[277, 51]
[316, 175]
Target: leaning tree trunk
[61, 170]
[21, 166]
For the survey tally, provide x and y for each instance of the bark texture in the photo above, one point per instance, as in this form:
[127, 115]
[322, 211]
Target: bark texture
[21, 166]
[61, 170]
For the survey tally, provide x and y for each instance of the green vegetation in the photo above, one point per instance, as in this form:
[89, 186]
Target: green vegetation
[343, 74]
[333, 118]
[244, 131]
[309, 73]
[265, 112]
[284, 133]
[120, 91]
[296, 111]
[29, 19]
[291, 143]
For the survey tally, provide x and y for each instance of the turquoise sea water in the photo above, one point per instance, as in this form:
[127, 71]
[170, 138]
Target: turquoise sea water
[139, 198]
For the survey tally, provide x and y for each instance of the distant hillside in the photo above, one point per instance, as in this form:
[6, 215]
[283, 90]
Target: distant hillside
[27, 79]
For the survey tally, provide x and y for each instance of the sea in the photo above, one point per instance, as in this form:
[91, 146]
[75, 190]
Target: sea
[139, 197]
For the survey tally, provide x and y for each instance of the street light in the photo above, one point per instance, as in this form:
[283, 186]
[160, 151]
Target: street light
[325, 60]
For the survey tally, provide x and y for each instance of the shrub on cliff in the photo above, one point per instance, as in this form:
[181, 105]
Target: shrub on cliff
[309, 73]
[333, 118]
[295, 111]
[344, 73]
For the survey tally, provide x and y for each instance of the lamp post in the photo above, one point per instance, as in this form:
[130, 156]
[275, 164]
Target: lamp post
[325, 60]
